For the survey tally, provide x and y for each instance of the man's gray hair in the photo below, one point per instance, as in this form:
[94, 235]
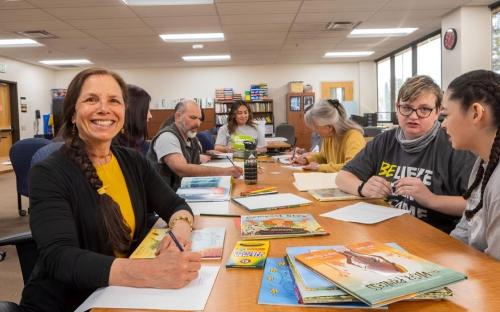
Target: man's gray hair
[181, 106]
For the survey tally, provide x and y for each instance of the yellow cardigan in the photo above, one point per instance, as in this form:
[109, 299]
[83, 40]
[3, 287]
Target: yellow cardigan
[334, 154]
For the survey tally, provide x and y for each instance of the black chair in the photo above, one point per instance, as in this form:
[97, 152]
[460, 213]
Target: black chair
[287, 131]
[20, 156]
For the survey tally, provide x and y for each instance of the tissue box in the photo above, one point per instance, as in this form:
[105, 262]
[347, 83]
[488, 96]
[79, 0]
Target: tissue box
[296, 86]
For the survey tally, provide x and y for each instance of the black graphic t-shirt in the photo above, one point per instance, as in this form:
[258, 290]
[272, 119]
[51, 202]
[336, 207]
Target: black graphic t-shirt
[442, 169]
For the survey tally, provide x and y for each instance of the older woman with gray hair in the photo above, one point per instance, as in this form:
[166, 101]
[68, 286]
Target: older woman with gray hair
[341, 138]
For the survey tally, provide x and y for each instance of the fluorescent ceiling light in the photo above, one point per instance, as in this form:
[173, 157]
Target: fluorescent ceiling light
[198, 58]
[166, 2]
[348, 54]
[66, 62]
[193, 37]
[19, 43]
[381, 32]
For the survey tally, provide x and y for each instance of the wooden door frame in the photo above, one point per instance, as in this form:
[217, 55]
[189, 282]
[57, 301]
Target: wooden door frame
[14, 110]
[347, 85]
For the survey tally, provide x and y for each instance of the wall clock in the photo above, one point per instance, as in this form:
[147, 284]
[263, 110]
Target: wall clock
[450, 38]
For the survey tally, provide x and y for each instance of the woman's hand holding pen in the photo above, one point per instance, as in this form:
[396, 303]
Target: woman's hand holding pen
[414, 187]
[175, 269]
[376, 187]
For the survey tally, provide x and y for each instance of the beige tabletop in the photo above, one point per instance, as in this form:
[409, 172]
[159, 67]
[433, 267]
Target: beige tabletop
[237, 289]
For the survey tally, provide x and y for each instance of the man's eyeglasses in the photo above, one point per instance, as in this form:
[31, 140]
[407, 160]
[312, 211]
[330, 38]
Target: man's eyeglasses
[407, 110]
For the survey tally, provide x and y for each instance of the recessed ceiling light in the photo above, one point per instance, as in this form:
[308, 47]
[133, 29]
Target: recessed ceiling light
[203, 37]
[198, 58]
[348, 54]
[19, 43]
[166, 2]
[197, 46]
[66, 62]
[381, 32]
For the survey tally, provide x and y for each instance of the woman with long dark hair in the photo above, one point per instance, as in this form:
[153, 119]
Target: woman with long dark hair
[240, 127]
[472, 120]
[88, 204]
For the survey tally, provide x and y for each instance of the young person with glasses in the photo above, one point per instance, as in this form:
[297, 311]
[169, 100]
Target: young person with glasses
[414, 165]
[472, 119]
[341, 138]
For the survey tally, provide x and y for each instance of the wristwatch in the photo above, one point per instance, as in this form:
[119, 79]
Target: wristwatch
[360, 188]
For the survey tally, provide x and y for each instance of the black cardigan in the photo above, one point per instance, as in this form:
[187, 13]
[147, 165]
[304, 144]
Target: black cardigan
[74, 256]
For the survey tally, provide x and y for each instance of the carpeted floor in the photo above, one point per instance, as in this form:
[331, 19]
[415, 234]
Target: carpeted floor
[11, 281]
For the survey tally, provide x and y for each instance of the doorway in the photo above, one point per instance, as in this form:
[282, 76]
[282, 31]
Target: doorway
[9, 116]
[340, 90]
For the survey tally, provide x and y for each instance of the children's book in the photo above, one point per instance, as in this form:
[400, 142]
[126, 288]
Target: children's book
[378, 274]
[277, 288]
[314, 180]
[314, 288]
[271, 201]
[205, 189]
[331, 194]
[279, 225]
[248, 254]
[207, 241]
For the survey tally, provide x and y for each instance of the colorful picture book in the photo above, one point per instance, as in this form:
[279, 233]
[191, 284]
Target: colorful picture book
[277, 288]
[205, 189]
[207, 241]
[248, 254]
[271, 201]
[279, 225]
[313, 288]
[378, 274]
[331, 194]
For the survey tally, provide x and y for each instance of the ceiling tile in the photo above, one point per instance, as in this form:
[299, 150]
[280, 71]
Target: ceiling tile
[254, 8]
[351, 16]
[256, 27]
[19, 16]
[132, 22]
[256, 19]
[91, 12]
[74, 3]
[175, 10]
[8, 5]
[179, 21]
[333, 6]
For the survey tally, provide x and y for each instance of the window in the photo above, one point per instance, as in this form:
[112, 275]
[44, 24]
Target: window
[402, 69]
[495, 45]
[384, 86]
[429, 58]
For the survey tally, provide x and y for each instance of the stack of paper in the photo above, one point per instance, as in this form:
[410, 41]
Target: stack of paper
[314, 180]
[272, 201]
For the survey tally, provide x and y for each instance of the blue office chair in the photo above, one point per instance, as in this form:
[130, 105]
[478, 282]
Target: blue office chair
[20, 156]
[207, 140]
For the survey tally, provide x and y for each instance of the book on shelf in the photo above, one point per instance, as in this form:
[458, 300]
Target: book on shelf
[378, 274]
[248, 254]
[277, 288]
[314, 180]
[331, 194]
[279, 225]
[314, 288]
[209, 242]
[271, 201]
[205, 189]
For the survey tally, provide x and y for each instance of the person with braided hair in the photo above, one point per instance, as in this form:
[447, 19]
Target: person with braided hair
[88, 205]
[341, 138]
[472, 120]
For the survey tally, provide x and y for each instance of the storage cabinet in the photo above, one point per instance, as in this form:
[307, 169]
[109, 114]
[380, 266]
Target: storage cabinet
[296, 106]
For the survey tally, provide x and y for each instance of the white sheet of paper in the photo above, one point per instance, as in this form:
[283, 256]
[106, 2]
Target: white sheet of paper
[223, 164]
[298, 168]
[314, 180]
[271, 201]
[192, 297]
[221, 207]
[364, 213]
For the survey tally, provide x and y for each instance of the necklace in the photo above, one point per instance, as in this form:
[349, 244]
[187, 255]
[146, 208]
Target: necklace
[100, 160]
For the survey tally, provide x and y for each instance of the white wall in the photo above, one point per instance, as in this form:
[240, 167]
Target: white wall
[172, 83]
[473, 48]
[34, 83]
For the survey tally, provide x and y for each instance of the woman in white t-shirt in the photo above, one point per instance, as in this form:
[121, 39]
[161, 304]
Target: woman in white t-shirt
[472, 120]
[240, 127]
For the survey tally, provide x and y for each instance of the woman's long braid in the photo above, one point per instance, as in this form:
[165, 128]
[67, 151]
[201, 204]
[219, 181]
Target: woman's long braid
[477, 180]
[116, 228]
[492, 164]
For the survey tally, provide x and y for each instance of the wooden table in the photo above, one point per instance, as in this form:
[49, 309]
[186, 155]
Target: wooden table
[5, 168]
[237, 289]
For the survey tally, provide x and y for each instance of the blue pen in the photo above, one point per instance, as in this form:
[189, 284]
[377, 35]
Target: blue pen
[175, 240]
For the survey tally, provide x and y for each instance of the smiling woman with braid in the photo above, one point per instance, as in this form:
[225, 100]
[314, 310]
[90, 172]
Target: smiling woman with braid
[88, 204]
[472, 120]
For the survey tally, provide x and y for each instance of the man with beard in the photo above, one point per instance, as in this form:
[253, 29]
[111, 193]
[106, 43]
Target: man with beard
[176, 151]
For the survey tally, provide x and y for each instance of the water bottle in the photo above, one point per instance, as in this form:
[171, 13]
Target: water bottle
[250, 165]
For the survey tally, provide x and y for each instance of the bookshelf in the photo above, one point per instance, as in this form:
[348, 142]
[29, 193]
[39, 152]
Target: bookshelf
[261, 110]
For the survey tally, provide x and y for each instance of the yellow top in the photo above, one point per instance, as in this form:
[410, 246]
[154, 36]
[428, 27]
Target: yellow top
[333, 154]
[115, 186]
